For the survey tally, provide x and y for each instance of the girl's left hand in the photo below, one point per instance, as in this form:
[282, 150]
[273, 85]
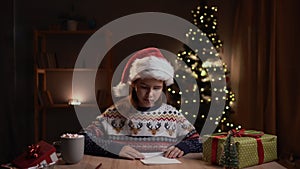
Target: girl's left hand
[173, 152]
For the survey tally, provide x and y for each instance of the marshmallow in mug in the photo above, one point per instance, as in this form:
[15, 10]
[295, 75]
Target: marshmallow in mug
[69, 135]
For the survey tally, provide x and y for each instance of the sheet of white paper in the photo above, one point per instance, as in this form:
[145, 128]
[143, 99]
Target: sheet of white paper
[152, 154]
[158, 158]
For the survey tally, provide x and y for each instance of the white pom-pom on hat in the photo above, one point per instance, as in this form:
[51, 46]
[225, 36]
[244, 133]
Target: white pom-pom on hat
[146, 63]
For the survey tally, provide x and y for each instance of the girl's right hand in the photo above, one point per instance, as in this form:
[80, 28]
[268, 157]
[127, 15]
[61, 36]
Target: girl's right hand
[130, 153]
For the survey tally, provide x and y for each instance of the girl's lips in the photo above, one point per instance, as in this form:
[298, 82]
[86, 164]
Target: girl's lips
[148, 100]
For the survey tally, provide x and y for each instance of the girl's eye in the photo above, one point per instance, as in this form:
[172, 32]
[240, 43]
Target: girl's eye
[144, 87]
[157, 88]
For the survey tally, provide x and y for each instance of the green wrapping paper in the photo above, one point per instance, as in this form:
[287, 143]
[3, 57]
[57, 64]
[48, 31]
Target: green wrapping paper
[247, 148]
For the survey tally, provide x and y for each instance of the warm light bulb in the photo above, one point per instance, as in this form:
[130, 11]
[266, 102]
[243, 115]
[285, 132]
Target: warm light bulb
[74, 102]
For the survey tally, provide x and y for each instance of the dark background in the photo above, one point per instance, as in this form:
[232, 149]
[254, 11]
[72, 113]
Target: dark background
[20, 18]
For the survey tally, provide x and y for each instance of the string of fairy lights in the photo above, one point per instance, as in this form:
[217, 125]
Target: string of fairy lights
[205, 72]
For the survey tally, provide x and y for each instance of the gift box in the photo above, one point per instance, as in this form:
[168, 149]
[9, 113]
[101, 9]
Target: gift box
[253, 147]
[40, 154]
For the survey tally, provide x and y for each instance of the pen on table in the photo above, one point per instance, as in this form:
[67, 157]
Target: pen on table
[98, 166]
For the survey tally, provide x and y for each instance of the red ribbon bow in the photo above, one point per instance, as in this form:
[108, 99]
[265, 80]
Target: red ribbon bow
[33, 151]
[246, 133]
[237, 133]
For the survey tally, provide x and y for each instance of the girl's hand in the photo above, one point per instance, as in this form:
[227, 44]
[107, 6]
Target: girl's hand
[130, 153]
[173, 152]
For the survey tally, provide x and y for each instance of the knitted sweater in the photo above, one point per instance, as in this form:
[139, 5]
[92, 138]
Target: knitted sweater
[146, 130]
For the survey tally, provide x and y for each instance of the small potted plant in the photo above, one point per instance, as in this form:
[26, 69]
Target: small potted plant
[71, 19]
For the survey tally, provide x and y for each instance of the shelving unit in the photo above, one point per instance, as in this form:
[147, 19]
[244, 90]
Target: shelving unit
[55, 54]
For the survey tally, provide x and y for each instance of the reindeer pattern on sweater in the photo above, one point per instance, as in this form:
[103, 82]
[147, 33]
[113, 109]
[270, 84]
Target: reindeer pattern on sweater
[150, 130]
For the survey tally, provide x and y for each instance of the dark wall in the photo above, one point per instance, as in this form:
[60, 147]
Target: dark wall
[11, 119]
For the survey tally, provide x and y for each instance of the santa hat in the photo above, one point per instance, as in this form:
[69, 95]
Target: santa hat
[146, 63]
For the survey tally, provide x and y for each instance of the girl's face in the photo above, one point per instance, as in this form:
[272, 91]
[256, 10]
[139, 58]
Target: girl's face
[148, 91]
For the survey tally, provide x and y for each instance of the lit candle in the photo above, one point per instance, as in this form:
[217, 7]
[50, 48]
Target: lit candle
[74, 102]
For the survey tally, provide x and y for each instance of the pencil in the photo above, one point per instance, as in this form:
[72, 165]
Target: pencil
[98, 166]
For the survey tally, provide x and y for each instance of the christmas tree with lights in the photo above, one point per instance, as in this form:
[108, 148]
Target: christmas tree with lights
[229, 158]
[205, 92]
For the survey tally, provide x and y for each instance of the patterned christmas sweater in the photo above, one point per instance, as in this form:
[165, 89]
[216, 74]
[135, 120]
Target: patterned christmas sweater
[146, 130]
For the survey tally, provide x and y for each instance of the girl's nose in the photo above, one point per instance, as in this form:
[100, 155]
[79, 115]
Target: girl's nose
[150, 92]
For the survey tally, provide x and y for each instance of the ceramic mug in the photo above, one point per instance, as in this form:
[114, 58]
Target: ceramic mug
[72, 148]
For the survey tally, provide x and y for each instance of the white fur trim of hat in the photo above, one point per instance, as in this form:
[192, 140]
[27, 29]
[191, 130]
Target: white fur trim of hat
[146, 63]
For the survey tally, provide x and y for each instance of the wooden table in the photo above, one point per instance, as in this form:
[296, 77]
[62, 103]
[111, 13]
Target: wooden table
[190, 161]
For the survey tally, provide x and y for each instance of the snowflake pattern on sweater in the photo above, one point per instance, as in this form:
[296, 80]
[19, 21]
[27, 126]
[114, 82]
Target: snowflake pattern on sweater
[145, 130]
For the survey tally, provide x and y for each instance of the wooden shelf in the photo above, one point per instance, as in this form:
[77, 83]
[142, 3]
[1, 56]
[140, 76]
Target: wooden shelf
[67, 70]
[40, 70]
[65, 105]
[65, 32]
[60, 48]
